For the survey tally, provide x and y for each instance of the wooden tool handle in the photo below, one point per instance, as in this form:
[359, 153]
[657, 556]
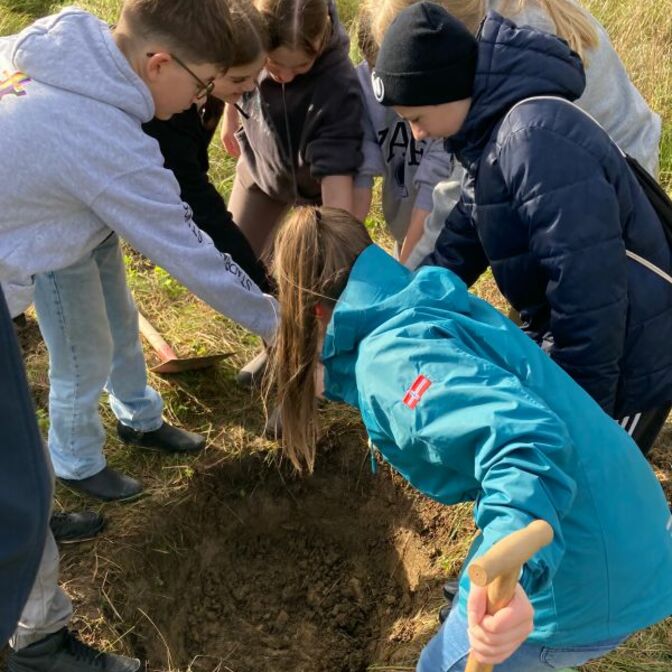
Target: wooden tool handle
[155, 339]
[499, 570]
[510, 553]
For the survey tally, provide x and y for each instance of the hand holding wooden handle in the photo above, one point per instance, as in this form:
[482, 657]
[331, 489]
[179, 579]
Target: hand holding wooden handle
[499, 570]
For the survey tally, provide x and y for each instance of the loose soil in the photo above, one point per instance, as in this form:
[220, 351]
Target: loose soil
[260, 570]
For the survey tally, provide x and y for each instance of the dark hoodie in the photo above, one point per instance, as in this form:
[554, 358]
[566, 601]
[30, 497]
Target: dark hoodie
[311, 127]
[184, 140]
[552, 207]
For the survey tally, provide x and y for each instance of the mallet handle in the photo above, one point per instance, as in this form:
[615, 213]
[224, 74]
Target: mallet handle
[499, 570]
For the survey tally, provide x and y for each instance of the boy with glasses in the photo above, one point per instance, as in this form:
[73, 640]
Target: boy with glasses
[82, 172]
[102, 177]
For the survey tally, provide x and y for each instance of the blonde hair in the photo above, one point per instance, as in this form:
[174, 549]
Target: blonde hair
[572, 22]
[296, 24]
[314, 252]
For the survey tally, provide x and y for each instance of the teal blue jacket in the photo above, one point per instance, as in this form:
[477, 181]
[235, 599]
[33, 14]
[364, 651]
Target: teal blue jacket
[467, 408]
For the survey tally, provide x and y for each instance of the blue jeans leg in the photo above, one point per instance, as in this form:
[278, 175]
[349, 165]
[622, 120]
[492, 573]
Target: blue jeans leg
[133, 402]
[448, 651]
[76, 308]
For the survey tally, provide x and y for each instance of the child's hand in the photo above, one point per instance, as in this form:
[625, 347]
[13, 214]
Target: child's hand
[494, 638]
[230, 124]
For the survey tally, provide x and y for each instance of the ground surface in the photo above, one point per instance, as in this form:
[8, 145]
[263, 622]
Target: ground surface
[231, 563]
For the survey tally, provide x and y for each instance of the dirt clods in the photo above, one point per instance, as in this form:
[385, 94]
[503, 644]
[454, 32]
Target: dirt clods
[261, 571]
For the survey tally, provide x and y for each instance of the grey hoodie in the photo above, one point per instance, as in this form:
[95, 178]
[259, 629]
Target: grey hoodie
[77, 166]
[610, 97]
[410, 170]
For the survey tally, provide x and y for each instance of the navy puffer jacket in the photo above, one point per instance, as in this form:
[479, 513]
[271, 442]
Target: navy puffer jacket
[552, 206]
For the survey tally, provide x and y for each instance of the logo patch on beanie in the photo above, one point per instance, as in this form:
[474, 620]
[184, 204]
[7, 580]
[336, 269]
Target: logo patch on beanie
[378, 87]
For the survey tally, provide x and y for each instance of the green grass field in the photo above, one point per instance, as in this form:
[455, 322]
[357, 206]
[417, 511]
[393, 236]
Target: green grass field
[96, 574]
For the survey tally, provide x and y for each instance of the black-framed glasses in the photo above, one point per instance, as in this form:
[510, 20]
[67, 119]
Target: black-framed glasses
[204, 88]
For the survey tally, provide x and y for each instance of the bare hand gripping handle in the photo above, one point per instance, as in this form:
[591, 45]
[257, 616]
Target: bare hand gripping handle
[499, 570]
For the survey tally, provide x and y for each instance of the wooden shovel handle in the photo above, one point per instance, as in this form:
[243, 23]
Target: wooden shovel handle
[155, 339]
[499, 570]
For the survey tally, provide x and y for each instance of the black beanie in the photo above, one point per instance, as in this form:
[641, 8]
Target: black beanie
[427, 58]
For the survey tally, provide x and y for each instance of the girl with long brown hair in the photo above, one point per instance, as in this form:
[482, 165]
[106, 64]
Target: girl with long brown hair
[467, 408]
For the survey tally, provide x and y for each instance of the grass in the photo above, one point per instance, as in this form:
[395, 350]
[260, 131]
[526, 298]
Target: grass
[641, 31]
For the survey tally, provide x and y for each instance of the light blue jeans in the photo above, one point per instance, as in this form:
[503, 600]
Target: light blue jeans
[449, 649]
[89, 322]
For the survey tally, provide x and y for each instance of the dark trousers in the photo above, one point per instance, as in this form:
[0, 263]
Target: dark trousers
[25, 483]
[644, 427]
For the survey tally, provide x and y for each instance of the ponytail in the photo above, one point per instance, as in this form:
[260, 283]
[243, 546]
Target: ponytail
[572, 22]
[314, 252]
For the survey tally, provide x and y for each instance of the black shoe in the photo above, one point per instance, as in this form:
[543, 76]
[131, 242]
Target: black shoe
[20, 322]
[69, 528]
[63, 652]
[450, 589]
[253, 372]
[167, 438]
[445, 611]
[108, 485]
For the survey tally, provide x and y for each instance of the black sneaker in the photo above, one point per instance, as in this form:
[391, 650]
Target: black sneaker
[20, 322]
[72, 527]
[167, 438]
[450, 589]
[444, 612]
[63, 652]
[108, 485]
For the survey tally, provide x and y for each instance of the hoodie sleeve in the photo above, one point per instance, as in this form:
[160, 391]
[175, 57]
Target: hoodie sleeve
[477, 426]
[372, 162]
[435, 166]
[334, 124]
[143, 207]
[458, 246]
[372, 158]
[573, 219]
[184, 142]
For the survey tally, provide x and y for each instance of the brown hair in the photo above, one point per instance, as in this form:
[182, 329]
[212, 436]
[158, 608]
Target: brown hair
[571, 21]
[314, 253]
[296, 24]
[250, 34]
[199, 32]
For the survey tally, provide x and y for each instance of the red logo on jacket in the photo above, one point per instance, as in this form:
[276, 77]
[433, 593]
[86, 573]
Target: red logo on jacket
[415, 391]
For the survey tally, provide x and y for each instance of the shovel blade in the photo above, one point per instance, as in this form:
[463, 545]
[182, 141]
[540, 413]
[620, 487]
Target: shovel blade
[178, 365]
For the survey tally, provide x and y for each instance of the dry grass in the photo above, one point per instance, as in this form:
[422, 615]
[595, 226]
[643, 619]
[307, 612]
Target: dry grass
[211, 403]
[641, 31]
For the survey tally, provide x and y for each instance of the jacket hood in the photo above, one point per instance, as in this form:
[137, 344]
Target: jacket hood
[379, 290]
[75, 51]
[514, 63]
